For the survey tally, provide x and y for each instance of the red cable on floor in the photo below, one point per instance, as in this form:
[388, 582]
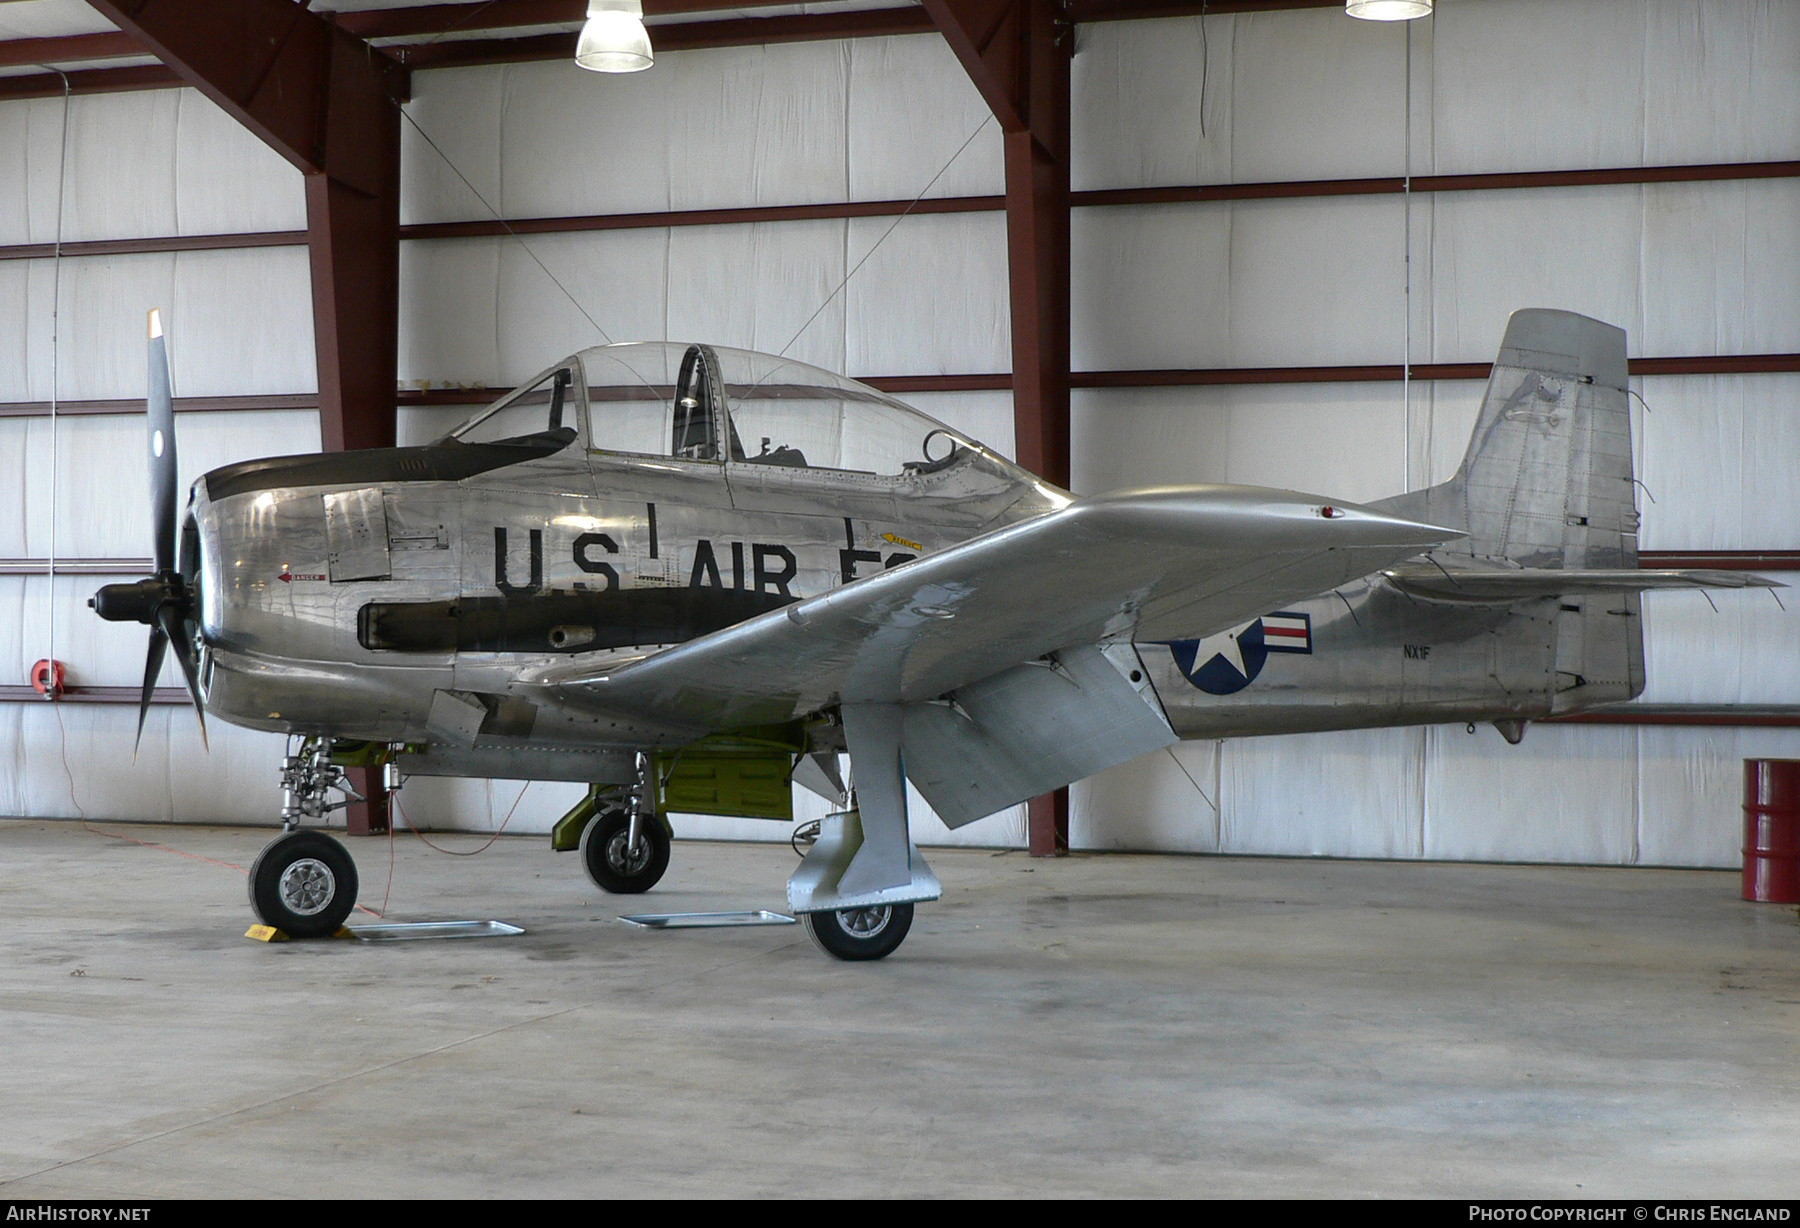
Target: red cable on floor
[452, 852]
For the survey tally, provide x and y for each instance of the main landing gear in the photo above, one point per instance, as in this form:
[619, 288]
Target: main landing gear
[625, 847]
[859, 933]
[304, 882]
[619, 861]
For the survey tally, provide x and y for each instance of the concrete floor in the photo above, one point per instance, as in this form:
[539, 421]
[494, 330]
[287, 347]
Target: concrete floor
[1114, 1025]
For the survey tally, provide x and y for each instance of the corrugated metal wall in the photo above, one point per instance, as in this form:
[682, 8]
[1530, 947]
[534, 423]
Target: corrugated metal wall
[1497, 85]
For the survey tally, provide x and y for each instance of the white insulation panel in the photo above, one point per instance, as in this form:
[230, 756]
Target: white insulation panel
[239, 323]
[139, 164]
[1496, 85]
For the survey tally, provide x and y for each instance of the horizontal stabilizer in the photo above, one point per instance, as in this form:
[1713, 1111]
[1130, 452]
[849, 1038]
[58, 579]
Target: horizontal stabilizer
[1500, 587]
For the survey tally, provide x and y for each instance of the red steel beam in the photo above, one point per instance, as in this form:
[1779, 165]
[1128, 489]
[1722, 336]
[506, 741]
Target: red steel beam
[188, 405]
[1138, 10]
[511, 14]
[1722, 560]
[1739, 716]
[1017, 53]
[992, 381]
[89, 81]
[68, 48]
[354, 248]
[698, 217]
[99, 695]
[329, 103]
[684, 36]
[160, 243]
[1693, 715]
[755, 214]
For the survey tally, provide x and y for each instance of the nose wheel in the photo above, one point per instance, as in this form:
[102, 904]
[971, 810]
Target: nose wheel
[304, 884]
[860, 933]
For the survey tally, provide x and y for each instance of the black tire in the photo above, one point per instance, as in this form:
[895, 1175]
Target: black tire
[304, 884]
[604, 857]
[860, 933]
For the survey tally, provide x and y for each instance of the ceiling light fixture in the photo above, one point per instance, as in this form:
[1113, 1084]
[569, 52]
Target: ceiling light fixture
[614, 38]
[1388, 10]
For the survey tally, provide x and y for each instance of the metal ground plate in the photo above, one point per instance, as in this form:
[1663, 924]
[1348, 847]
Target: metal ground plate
[415, 930]
[706, 920]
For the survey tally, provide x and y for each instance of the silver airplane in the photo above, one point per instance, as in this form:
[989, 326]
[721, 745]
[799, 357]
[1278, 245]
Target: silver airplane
[691, 577]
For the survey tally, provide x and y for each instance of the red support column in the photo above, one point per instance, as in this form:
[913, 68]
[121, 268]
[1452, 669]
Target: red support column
[368, 818]
[354, 240]
[329, 103]
[1017, 53]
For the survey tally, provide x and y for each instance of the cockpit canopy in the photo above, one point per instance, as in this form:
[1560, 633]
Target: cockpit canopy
[710, 403]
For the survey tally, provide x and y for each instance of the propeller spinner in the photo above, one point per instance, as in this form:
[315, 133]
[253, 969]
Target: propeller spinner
[164, 603]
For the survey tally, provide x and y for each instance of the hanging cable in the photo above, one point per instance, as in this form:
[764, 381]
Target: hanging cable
[1406, 224]
[1205, 58]
[426, 137]
[452, 852]
[942, 170]
[62, 169]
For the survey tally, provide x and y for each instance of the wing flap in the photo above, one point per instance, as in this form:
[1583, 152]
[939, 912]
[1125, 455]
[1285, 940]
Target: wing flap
[1030, 729]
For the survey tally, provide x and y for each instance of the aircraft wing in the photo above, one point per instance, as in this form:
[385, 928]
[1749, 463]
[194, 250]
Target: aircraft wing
[1162, 563]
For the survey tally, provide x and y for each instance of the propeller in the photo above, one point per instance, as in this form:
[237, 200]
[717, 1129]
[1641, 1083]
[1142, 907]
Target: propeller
[164, 603]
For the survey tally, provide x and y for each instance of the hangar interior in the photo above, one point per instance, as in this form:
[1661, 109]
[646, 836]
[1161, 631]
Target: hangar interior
[1275, 210]
[1438, 964]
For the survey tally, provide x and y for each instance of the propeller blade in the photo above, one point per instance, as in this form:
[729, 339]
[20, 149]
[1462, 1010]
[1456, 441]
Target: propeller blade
[152, 667]
[163, 481]
[170, 623]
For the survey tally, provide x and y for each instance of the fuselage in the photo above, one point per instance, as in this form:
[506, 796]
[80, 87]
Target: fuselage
[343, 607]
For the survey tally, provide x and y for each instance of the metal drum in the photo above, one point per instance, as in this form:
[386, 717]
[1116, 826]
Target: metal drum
[1772, 830]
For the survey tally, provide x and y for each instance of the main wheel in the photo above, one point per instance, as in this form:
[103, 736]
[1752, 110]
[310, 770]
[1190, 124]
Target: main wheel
[860, 933]
[614, 867]
[303, 884]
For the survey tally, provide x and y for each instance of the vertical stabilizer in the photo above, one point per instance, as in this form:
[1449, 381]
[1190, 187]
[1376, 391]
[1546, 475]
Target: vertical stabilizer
[1547, 480]
[1547, 483]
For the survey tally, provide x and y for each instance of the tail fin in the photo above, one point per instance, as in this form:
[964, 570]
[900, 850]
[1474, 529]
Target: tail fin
[1547, 483]
[1547, 480]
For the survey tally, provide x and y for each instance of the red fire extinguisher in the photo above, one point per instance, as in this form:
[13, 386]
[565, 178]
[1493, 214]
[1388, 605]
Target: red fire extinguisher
[47, 679]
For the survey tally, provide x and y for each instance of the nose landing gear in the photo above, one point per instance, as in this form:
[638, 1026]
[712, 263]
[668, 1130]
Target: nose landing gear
[304, 882]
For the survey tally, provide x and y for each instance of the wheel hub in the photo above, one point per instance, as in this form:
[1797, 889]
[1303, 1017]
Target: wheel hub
[625, 860]
[307, 887]
[864, 923]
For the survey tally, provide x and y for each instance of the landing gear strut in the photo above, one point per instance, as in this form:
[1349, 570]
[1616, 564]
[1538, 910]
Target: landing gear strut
[625, 850]
[304, 882]
[614, 862]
